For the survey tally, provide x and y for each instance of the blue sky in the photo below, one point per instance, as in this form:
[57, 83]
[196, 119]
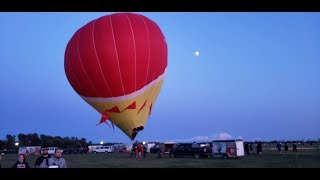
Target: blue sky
[257, 77]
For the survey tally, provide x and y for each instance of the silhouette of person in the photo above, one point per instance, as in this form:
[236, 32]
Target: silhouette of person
[294, 149]
[286, 147]
[279, 147]
[251, 148]
[259, 148]
[246, 148]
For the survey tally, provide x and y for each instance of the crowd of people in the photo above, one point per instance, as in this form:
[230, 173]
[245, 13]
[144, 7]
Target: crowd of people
[138, 150]
[286, 147]
[43, 161]
[249, 149]
[57, 161]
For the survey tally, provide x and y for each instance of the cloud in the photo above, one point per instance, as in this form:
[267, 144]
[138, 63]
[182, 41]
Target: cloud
[256, 139]
[222, 136]
[196, 138]
[239, 137]
[219, 136]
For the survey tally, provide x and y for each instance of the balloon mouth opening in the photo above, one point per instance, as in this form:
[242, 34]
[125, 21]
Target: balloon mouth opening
[135, 131]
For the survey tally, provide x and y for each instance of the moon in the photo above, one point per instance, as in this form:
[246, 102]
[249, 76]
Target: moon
[197, 53]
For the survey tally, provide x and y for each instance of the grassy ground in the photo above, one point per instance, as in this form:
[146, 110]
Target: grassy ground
[269, 159]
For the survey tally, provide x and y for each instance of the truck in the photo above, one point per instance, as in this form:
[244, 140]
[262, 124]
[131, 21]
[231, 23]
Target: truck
[228, 148]
[190, 149]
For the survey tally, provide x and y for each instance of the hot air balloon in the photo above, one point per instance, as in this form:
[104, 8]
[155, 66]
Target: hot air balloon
[117, 64]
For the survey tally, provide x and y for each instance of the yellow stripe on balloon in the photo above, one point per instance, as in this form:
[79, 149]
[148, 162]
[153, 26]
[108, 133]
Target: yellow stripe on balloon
[128, 119]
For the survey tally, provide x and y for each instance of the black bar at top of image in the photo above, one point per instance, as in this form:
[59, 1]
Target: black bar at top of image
[158, 6]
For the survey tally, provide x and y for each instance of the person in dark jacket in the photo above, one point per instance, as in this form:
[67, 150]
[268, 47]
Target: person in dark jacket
[246, 148]
[251, 148]
[286, 147]
[44, 157]
[259, 149]
[21, 163]
[279, 147]
[294, 147]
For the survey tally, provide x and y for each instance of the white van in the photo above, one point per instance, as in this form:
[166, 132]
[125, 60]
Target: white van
[103, 149]
[51, 150]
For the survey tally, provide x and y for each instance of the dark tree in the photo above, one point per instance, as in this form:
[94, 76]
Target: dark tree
[23, 140]
[35, 140]
[3, 144]
[57, 141]
[11, 139]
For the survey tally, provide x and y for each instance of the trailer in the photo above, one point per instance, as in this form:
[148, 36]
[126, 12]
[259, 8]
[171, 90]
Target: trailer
[228, 148]
[29, 150]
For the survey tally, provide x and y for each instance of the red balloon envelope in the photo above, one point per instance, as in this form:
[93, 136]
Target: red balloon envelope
[116, 63]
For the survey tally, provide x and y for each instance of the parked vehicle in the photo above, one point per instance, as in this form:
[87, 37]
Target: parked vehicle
[51, 150]
[103, 149]
[228, 148]
[190, 149]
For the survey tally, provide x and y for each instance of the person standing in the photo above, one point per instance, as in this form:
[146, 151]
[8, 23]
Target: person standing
[251, 148]
[246, 148]
[294, 149]
[259, 149]
[141, 151]
[279, 147]
[286, 148]
[136, 151]
[144, 151]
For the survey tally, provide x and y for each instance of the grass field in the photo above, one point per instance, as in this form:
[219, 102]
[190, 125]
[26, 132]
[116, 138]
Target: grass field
[269, 159]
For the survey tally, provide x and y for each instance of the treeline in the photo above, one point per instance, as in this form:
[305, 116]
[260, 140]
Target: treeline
[33, 139]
